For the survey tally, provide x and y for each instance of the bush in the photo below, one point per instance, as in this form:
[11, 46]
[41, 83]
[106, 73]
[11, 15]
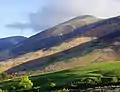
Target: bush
[3, 76]
[13, 88]
[7, 91]
[1, 90]
[115, 79]
[63, 90]
[25, 83]
[106, 80]
[52, 84]
[88, 81]
[36, 89]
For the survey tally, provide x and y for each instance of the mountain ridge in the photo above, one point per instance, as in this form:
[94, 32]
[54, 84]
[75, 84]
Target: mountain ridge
[53, 33]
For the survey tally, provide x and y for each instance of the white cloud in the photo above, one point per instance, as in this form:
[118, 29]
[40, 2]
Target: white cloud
[57, 11]
[100, 8]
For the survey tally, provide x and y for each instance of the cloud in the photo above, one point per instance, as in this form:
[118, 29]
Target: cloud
[57, 11]
[19, 25]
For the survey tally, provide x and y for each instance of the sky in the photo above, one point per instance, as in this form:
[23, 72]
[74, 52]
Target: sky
[28, 17]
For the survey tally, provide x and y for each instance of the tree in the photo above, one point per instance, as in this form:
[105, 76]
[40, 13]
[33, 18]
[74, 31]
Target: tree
[25, 83]
[3, 76]
[52, 84]
[1, 90]
[115, 79]
[63, 90]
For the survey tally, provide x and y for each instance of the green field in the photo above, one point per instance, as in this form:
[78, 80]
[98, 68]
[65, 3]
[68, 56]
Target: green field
[103, 69]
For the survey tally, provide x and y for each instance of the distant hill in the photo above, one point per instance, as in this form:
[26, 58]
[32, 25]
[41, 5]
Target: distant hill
[7, 43]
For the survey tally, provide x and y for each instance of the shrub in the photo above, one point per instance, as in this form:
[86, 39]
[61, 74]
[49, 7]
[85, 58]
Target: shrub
[115, 79]
[25, 83]
[3, 76]
[12, 88]
[99, 81]
[1, 90]
[63, 90]
[52, 84]
[88, 80]
[7, 91]
[36, 89]
[106, 80]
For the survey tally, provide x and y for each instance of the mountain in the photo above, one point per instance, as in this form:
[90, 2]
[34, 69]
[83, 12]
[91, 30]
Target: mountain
[52, 36]
[7, 44]
[92, 43]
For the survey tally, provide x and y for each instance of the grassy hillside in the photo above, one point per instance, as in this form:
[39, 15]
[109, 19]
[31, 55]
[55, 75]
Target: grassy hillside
[103, 70]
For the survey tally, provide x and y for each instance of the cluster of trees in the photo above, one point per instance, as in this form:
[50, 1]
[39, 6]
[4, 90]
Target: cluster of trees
[24, 84]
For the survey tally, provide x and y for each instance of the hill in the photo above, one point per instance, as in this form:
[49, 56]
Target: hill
[10, 41]
[96, 42]
[7, 44]
[52, 36]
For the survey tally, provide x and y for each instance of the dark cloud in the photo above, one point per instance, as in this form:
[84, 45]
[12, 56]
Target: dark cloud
[19, 25]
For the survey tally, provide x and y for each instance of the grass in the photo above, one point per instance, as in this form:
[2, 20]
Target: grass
[106, 69]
